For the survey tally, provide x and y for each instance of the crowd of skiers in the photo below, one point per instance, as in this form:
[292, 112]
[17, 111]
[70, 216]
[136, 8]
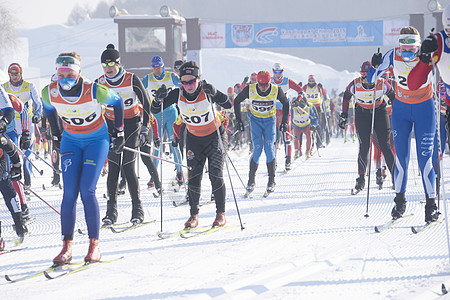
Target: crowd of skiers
[99, 127]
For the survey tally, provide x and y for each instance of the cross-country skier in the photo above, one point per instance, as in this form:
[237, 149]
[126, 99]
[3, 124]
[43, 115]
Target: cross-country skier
[364, 93]
[262, 96]
[316, 94]
[152, 82]
[29, 95]
[410, 110]
[8, 172]
[194, 100]
[303, 119]
[286, 84]
[133, 93]
[84, 144]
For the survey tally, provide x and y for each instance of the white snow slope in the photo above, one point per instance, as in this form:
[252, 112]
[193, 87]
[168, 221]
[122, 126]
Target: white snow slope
[308, 240]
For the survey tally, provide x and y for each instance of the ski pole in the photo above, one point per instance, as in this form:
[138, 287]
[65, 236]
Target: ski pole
[157, 157]
[371, 137]
[40, 198]
[441, 161]
[237, 173]
[226, 161]
[54, 169]
[23, 154]
[161, 154]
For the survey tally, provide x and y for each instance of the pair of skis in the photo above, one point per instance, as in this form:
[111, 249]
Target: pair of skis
[414, 229]
[54, 271]
[120, 227]
[188, 232]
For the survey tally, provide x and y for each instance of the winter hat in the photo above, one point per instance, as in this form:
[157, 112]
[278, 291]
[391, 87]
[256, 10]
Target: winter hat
[263, 77]
[157, 61]
[189, 68]
[313, 77]
[110, 54]
[365, 67]
[177, 64]
[14, 68]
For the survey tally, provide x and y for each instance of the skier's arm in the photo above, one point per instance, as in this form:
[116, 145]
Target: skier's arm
[176, 80]
[221, 99]
[110, 97]
[386, 62]
[282, 98]
[171, 98]
[244, 94]
[154, 124]
[37, 102]
[142, 95]
[313, 117]
[419, 74]
[51, 113]
[349, 91]
[295, 86]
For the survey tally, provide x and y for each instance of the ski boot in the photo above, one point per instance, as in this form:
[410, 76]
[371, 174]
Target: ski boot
[26, 189]
[345, 139]
[400, 206]
[56, 179]
[192, 222]
[25, 213]
[380, 179]
[251, 178]
[111, 214]
[180, 180]
[431, 212]
[353, 138]
[271, 183]
[220, 220]
[93, 254]
[360, 183]
[65, 256]
[137, 213]
[287, 164]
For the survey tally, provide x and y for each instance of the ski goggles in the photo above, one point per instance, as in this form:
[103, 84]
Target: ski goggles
[363, 74]
[409, 39]
[110, 64]
[68, 62]
[190, 82]
[277, 71]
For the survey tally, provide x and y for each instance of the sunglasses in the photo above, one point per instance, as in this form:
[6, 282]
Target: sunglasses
[190, 82]
[263, 85]
[111, 64]
[277, 71]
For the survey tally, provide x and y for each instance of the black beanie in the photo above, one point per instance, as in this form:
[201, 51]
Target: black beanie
[110, 54]
[189, 68]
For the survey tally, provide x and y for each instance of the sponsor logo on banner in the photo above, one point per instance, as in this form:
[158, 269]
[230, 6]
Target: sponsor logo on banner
[242, 34]
[361, 36]
[263, 36]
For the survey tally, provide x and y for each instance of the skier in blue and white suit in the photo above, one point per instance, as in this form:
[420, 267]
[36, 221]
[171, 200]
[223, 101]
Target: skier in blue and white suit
[152, 82]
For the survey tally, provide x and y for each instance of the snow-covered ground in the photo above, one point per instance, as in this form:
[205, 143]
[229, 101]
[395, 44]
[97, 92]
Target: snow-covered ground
[308, 240]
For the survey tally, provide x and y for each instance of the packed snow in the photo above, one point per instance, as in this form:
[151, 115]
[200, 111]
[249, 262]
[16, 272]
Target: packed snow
[307, 240]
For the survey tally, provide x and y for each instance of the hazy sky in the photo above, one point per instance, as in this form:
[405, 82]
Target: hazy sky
[37, 13]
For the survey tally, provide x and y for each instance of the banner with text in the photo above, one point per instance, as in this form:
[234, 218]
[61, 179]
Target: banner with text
[317, 34]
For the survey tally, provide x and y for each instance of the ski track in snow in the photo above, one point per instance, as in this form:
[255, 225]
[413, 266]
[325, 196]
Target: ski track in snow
[307, 240]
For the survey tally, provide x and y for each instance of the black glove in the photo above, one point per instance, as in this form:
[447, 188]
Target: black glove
[176, 141]
[3, 125]
[376, 59]
[56, 143]
[157, 141]
[343, 120]
[429, 45]
[312, 128]
[245, 79]
[16, 172]
[25, 140]
[425, 57]
[319, 85]
[240, 125]
[35, 119]
[143, 136]
[283, 127]
[296, 102]
[117, 140]
[208, 88]
[161, 93]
